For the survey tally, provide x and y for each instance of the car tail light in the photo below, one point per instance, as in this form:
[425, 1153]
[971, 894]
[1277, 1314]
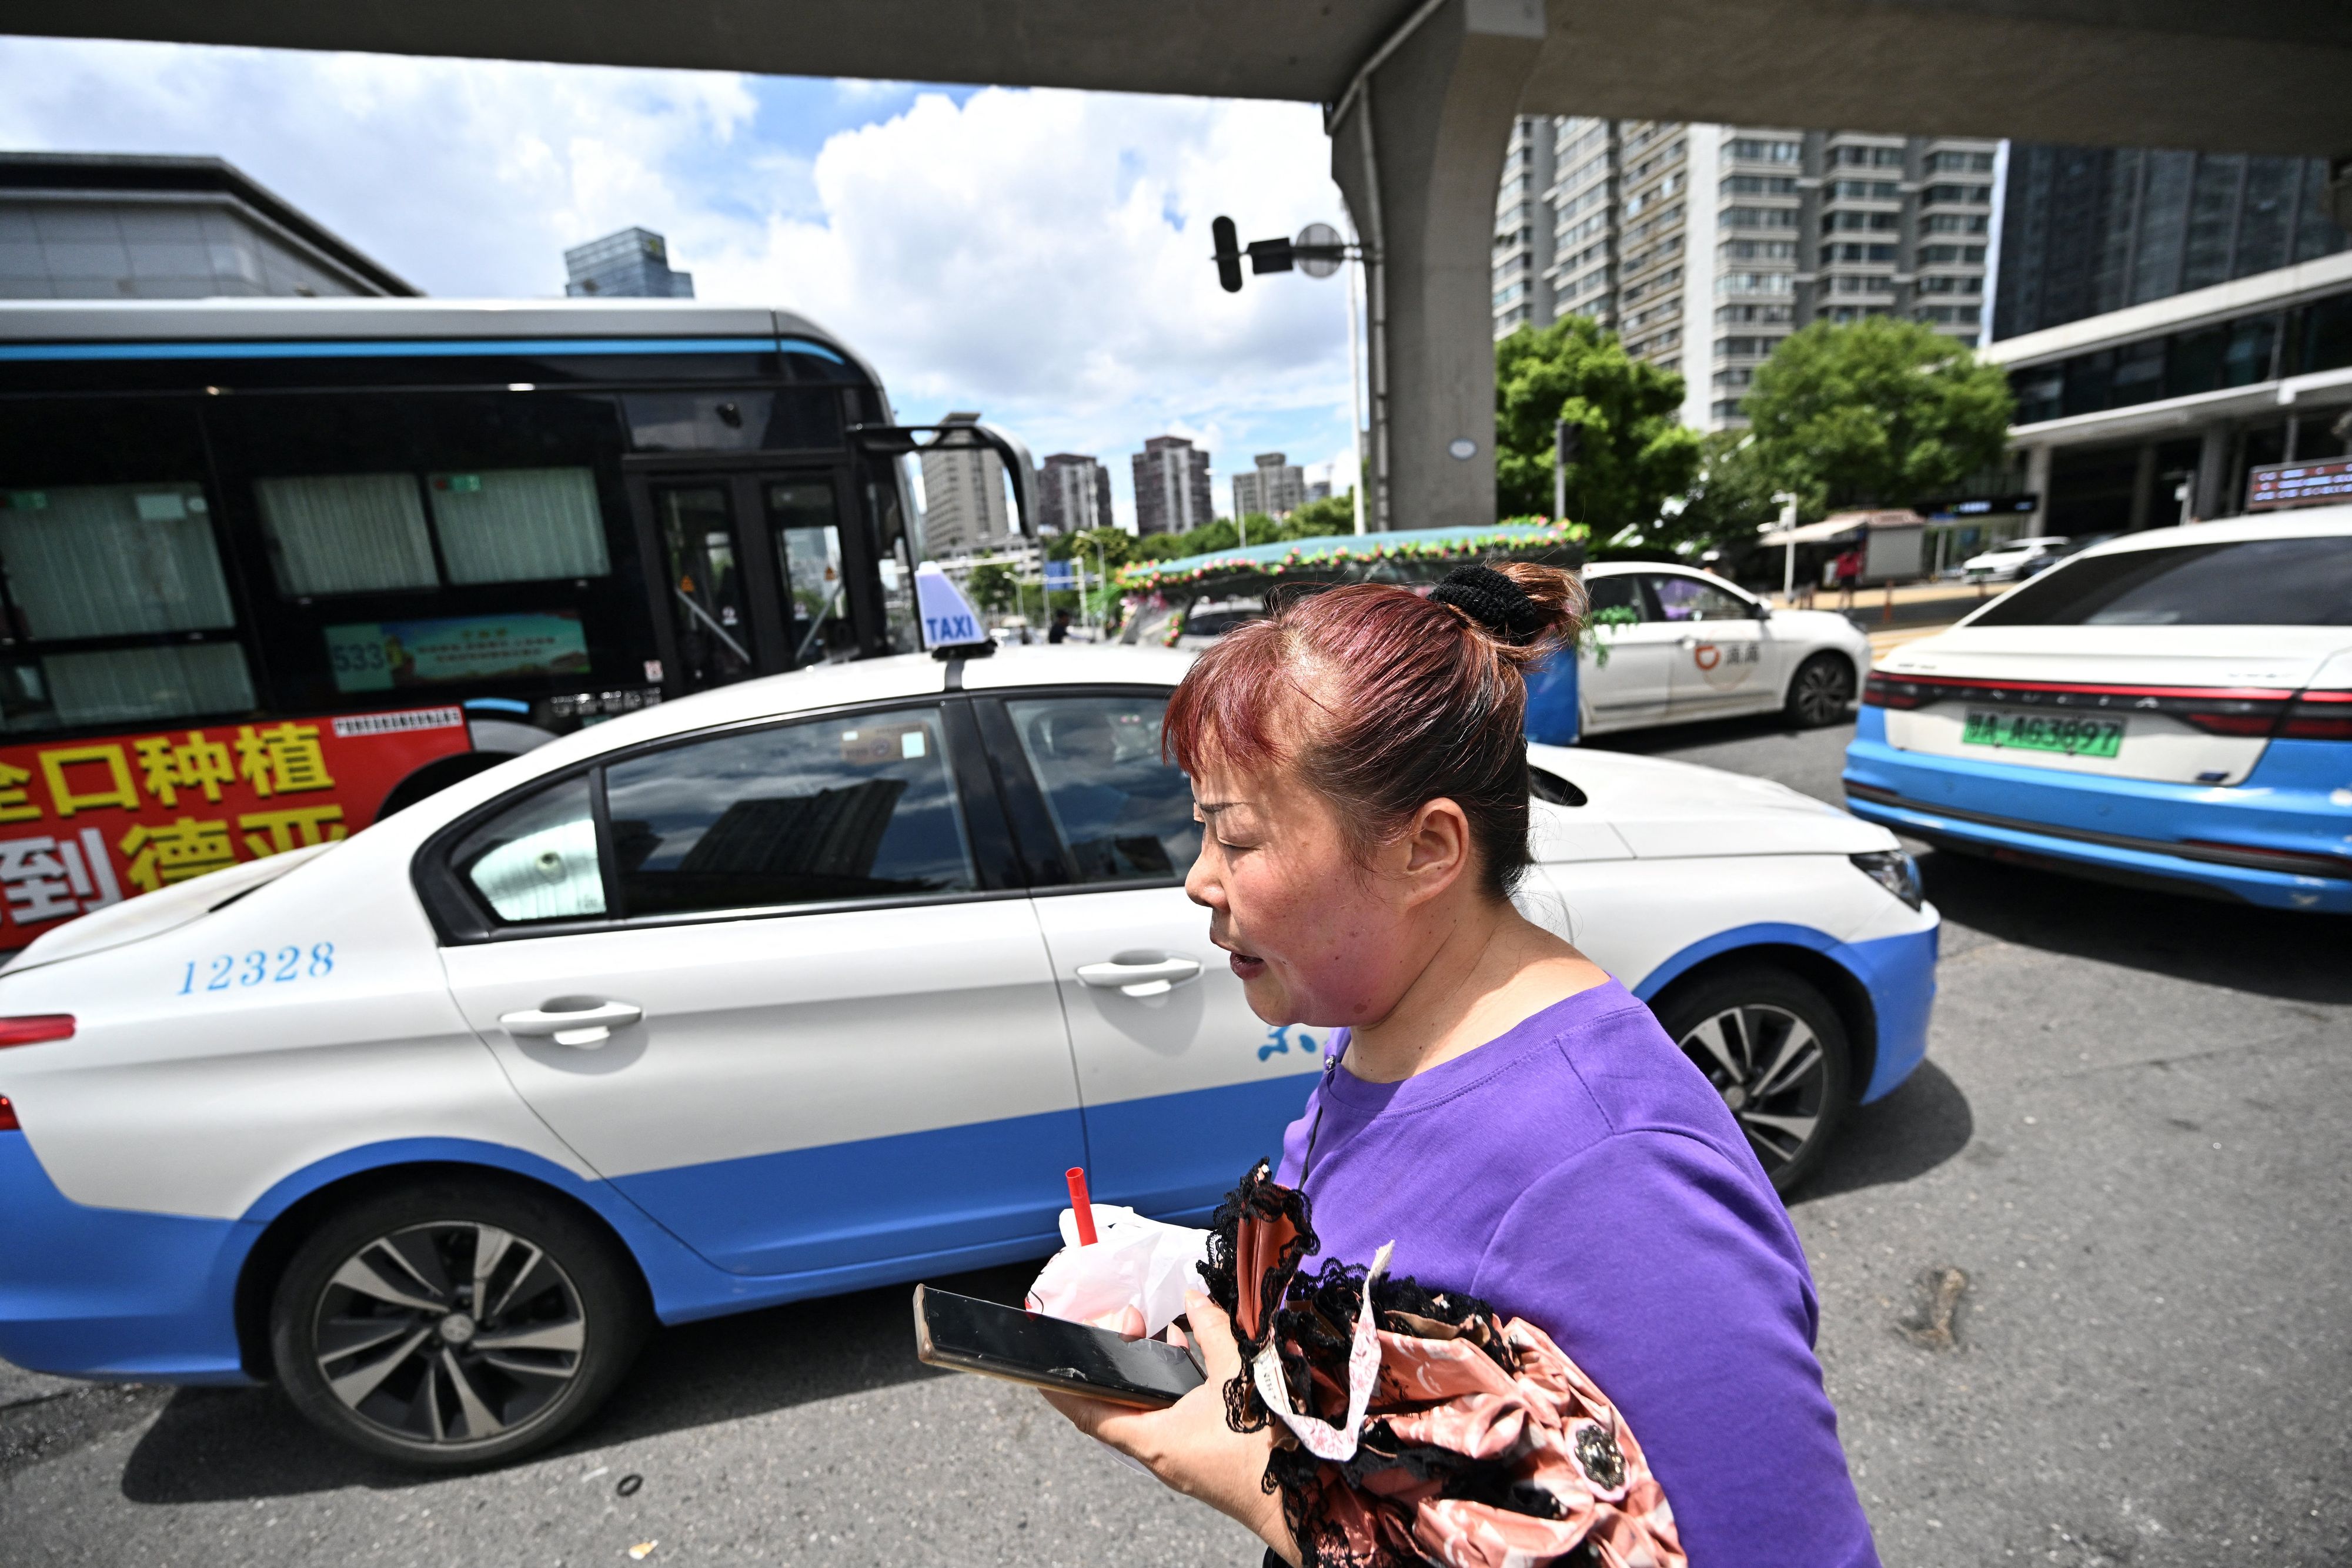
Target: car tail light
[2319, 716]
[2248, 725]
[31, 1029]
[1894, 691]
[8, 1123]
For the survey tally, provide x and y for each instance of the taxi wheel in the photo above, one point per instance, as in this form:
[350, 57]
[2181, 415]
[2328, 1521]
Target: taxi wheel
[1774, 1047]
[1822, 691]
[451, 1325]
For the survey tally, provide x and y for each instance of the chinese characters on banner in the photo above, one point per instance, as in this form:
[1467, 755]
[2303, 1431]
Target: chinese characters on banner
[85, 824]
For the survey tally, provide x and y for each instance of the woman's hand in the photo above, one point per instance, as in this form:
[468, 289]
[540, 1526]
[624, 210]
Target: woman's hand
[1188, 1445]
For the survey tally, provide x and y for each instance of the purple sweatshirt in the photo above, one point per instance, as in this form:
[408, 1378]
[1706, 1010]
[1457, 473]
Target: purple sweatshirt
[1579, 1173]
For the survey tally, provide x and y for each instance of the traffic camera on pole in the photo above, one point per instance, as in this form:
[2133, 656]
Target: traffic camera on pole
[1318, 252]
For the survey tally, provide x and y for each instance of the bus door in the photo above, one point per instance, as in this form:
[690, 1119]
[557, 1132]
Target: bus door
[756, 572]
[802, 514]
[700, 549]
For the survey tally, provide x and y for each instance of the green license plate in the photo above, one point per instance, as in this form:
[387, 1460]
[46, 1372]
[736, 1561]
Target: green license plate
[2043, 732]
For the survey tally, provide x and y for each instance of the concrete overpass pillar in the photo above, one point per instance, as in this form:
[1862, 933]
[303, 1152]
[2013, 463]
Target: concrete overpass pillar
[1417, 146]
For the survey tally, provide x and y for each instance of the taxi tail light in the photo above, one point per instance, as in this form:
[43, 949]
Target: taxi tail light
[1889, 691]
[32, 1029]
[2319, 716]
[8, 1123]
[2252, 725]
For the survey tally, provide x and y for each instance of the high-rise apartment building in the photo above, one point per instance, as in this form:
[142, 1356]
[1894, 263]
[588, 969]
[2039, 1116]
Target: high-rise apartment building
[632, 264]
[1704, 246]
[1073, 494]
[80, 225]
[1523, 232]
[1276, 486]
[1171, 486]
[963, 499]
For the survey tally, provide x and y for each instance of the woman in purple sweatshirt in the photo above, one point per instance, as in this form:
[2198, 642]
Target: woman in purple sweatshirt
[1494, 1104]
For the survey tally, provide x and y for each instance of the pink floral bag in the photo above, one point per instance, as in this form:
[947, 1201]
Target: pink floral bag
[1412, 1426]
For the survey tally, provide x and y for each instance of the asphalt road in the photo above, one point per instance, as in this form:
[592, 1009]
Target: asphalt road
[2129, 1139]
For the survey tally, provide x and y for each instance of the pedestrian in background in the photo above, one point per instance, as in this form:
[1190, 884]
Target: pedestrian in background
[1849, 574]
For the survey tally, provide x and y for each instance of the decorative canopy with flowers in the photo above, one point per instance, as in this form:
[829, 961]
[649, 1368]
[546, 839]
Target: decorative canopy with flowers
[1398, 556]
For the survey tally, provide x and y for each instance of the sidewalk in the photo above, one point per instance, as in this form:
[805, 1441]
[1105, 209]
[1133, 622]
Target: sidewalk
[1892, 616]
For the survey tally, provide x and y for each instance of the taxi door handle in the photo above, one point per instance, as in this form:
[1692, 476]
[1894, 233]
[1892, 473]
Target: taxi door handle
[573, 1020]
[1139, 973]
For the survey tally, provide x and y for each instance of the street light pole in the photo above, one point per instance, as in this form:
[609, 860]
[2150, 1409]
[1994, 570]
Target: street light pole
[1788, 559]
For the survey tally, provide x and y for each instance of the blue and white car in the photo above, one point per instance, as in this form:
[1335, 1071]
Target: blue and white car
[807, 984]
[2169, 709]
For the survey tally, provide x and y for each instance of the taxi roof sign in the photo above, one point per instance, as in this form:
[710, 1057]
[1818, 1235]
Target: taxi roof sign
[948, 621]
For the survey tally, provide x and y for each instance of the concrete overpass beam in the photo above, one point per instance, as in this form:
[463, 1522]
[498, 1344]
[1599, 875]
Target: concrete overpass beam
[1417, 147]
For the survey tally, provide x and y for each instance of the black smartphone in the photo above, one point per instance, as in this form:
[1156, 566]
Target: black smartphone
[996, 1341]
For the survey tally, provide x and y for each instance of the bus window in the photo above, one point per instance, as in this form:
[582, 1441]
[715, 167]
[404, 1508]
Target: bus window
[345, 533]
[118, 608]
[519, 524]
[436, 546]
[894, 554]
[106, 560]
[705, 585]
[793, 419]
[808, 549]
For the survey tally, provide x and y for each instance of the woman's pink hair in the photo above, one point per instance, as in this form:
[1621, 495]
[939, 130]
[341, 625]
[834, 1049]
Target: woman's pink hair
[1383, 701]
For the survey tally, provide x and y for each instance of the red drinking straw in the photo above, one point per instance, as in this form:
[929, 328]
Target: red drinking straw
[1082, 1211]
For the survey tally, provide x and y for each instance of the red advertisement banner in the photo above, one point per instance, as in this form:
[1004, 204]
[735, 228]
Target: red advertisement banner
[89, 823]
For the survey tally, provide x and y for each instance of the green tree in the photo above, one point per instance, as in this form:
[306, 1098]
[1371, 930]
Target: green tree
[1737, 492]
[1636, 450]
[1332, 515]
[1258, 528]
[1876, 412]
[1115, 546]
[1218, 533]
[993, 586]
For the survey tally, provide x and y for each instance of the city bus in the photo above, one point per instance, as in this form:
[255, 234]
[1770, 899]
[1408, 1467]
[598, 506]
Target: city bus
[276, 567]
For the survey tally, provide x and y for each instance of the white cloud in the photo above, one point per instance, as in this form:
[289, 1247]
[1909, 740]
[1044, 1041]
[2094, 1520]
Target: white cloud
[1042, 255]
[1045, 256]
[469, 177]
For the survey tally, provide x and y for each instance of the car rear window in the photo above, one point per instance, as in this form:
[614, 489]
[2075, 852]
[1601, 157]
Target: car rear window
[2251, 582]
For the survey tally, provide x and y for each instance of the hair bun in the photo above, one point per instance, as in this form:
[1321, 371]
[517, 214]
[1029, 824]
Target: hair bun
[1494, 602]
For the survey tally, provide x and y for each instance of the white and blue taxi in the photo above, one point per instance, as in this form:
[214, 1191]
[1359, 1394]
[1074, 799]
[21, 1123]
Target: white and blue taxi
[804, 985]
[2169, 709]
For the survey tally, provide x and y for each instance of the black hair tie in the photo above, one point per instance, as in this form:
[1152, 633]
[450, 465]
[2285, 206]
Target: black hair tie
[1495, 602]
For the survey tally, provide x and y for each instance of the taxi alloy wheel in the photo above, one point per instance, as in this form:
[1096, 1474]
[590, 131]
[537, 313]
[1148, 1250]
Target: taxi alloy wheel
[1822, 691]
[451, 1327]
[1774, 1049]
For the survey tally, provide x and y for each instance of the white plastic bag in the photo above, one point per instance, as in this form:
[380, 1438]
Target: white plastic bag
[1134, 1262]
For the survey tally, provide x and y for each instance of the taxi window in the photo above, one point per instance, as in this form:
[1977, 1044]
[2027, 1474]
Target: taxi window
[1621, 591]
[1689, 599]
[1121, 812]
[537, 860]
[849, 806]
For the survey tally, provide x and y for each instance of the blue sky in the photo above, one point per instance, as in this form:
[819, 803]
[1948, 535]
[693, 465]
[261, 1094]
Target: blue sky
[1040, 256]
